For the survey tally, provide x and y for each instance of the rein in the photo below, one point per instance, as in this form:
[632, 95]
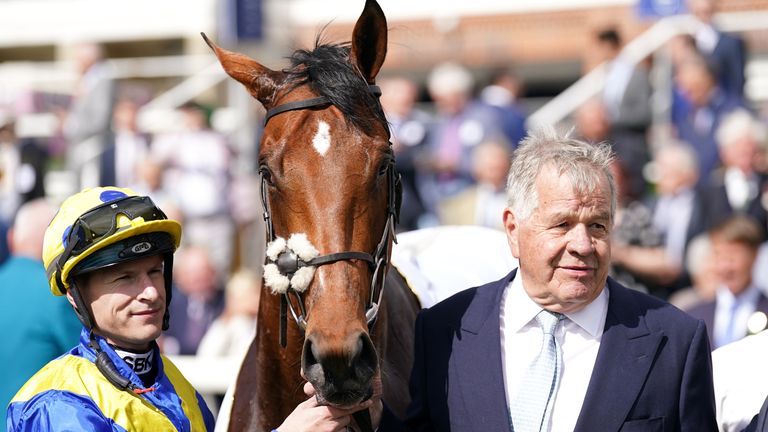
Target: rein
[288, 262]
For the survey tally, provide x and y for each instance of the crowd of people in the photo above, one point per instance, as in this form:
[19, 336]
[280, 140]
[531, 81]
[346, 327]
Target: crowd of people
[688, 227]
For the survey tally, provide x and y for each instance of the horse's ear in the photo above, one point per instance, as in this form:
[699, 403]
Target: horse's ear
[369, 41]
[260, 81]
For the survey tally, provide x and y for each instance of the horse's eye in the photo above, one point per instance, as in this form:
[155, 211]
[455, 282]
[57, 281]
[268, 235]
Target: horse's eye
[266, 175]
[383, 167]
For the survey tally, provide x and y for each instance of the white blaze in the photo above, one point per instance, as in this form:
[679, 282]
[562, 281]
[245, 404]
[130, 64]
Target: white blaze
[322, 139]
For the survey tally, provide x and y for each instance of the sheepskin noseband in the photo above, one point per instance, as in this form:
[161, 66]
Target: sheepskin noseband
[286, 266]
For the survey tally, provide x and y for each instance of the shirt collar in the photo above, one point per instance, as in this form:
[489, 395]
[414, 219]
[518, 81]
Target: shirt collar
[726, 298]
[519, 309]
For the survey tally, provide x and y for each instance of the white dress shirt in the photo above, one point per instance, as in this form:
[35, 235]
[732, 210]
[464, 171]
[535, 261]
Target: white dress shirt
[579, 336]
[732, 314]
[740, 188]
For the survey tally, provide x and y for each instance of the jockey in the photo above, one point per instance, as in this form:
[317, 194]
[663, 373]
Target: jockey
[110, 251]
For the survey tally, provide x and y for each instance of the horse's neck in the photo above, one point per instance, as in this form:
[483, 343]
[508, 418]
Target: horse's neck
[269, 385]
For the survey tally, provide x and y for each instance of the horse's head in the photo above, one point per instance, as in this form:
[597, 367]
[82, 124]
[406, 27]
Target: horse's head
[329, 187]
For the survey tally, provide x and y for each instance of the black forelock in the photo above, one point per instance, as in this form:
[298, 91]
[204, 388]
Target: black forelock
[327, 70]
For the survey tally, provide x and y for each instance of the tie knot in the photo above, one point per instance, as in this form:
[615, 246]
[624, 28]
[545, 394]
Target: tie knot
[548, 320]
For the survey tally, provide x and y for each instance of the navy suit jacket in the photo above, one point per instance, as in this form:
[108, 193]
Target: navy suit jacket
[730, 57]
[759, 422]
[715, 207]
[653, 370]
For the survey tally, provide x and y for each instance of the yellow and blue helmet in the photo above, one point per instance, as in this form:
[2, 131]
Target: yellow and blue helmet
[103, 226]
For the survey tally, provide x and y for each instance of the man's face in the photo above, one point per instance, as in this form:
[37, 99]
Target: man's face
[733, 263]
[128, 302]
[695, 83]
[563, 247]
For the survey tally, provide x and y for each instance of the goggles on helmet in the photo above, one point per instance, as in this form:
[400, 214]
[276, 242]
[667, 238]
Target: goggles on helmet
[101, 222]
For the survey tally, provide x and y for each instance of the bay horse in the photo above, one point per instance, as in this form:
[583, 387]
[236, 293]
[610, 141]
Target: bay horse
[330, 194]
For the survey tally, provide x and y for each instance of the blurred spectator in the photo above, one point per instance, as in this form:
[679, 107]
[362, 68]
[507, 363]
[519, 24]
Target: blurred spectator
[196, 300]
[483, 203]
[706, 106]
[593, 125]
[232, 332]
[461, 124]
[149, 181]
[503, 93]
[626, 96]
[635, 237]
[409, 134]
[87, 123]
[9, 165]
[22, 167]
[730, 315]
[38, 327]
[197, 161]
[726, 53]
[680, 49]
[676, 213]
[126, 149]
[737, 187]
[700, 268]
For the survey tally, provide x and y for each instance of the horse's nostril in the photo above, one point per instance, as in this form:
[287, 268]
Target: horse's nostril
[356, 351]
[366, 358]
[309, 355]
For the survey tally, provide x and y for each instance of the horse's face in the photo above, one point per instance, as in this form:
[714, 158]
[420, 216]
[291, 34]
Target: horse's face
[327, 177]
[328, 180]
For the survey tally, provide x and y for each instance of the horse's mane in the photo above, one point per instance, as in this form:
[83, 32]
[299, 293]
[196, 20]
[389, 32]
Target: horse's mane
[327, 70]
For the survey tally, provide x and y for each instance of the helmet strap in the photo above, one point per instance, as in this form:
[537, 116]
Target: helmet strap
[59, 268]
[81, 309]
[107, 368]
[103, 363]
[168, 276]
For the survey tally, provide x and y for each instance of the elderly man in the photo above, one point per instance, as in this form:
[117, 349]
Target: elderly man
[556, 344]
[739, 185]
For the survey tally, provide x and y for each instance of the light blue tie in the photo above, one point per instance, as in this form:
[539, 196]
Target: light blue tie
[529, 409]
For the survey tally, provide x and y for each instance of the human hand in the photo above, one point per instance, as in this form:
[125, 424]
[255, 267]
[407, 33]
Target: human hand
[377, 408]
[309, 416]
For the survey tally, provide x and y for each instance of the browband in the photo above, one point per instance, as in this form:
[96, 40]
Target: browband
[308, 103]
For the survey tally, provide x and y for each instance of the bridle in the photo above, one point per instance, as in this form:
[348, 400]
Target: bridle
[378, 261]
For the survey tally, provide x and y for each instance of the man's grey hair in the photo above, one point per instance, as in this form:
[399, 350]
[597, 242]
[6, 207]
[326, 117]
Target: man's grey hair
[586, 164]
[738, 124]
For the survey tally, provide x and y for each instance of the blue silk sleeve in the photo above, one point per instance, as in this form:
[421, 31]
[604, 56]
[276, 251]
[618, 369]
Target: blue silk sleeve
[58, 411]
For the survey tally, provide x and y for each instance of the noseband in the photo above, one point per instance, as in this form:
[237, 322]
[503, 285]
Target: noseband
[289, 263]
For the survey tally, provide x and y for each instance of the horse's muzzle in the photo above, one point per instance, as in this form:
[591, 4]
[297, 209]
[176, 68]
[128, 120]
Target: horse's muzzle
[342, 375]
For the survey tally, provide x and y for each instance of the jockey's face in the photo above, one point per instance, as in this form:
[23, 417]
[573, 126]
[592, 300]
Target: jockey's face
[127, 302]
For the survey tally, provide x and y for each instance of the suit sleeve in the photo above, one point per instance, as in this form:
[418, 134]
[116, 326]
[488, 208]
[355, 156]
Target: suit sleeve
[697, 395]
[418, 416]
[739, 65]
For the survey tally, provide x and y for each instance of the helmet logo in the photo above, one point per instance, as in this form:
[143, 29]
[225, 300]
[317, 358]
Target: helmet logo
[142, 247]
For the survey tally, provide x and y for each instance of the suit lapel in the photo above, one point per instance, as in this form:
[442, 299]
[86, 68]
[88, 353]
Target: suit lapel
[477, 355]
[626, 353]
